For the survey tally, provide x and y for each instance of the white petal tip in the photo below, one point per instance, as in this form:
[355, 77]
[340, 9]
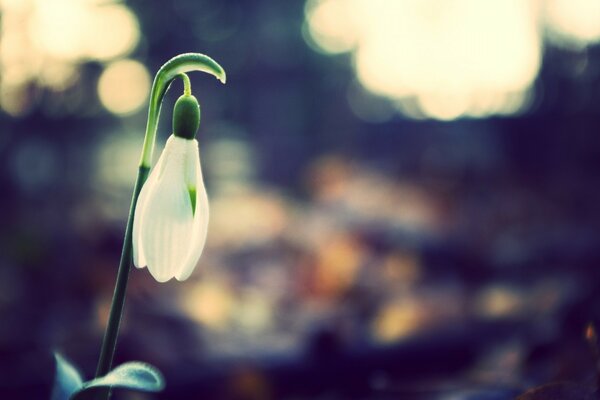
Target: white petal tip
[161, 279]
[182, 278]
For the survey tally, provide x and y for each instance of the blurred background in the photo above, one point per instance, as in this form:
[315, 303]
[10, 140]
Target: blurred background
[404, 195]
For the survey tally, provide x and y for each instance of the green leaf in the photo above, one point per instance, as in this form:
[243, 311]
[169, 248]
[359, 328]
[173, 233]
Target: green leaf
[67, 380]
[132, 375]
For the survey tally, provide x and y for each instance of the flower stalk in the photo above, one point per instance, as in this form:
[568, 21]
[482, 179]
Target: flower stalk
[174, 68]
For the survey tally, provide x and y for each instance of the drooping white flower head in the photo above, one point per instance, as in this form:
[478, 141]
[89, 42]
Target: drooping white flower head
[171, 217]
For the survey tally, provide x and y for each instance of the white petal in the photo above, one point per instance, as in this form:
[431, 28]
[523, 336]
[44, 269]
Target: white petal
[200, 223]
[166, 217]
[139, 260]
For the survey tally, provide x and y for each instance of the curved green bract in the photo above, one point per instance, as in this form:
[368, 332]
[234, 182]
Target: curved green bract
[166, 74]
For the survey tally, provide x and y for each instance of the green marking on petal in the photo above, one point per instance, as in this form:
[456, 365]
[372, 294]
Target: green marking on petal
[192, 192]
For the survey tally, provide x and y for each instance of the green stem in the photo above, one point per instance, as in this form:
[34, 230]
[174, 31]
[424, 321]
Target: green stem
[175, 67]
[187, 85]
[116, 309]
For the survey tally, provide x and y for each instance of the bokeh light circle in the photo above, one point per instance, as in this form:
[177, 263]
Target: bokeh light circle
[123, 86]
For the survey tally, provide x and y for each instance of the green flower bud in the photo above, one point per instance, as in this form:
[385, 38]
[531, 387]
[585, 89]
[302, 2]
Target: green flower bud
[186, 117]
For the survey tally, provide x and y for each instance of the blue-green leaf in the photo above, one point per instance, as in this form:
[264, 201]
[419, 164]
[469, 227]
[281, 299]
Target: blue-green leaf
[67, 380]
[132, 375]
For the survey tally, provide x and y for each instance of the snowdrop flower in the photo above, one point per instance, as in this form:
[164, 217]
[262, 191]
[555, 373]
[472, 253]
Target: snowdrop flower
[171, 217]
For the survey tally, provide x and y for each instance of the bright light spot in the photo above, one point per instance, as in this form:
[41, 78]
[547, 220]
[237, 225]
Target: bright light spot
[397, 320]
[43, 43]
[338, 263]
[499, 301]
[58, 76]
[446, 59]
[331, 24]
[576, 21]
[248, 217]
[445, 106]
[119, 40]
[123, 86]
[74, 29]
[444, 54]
[210, 304]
